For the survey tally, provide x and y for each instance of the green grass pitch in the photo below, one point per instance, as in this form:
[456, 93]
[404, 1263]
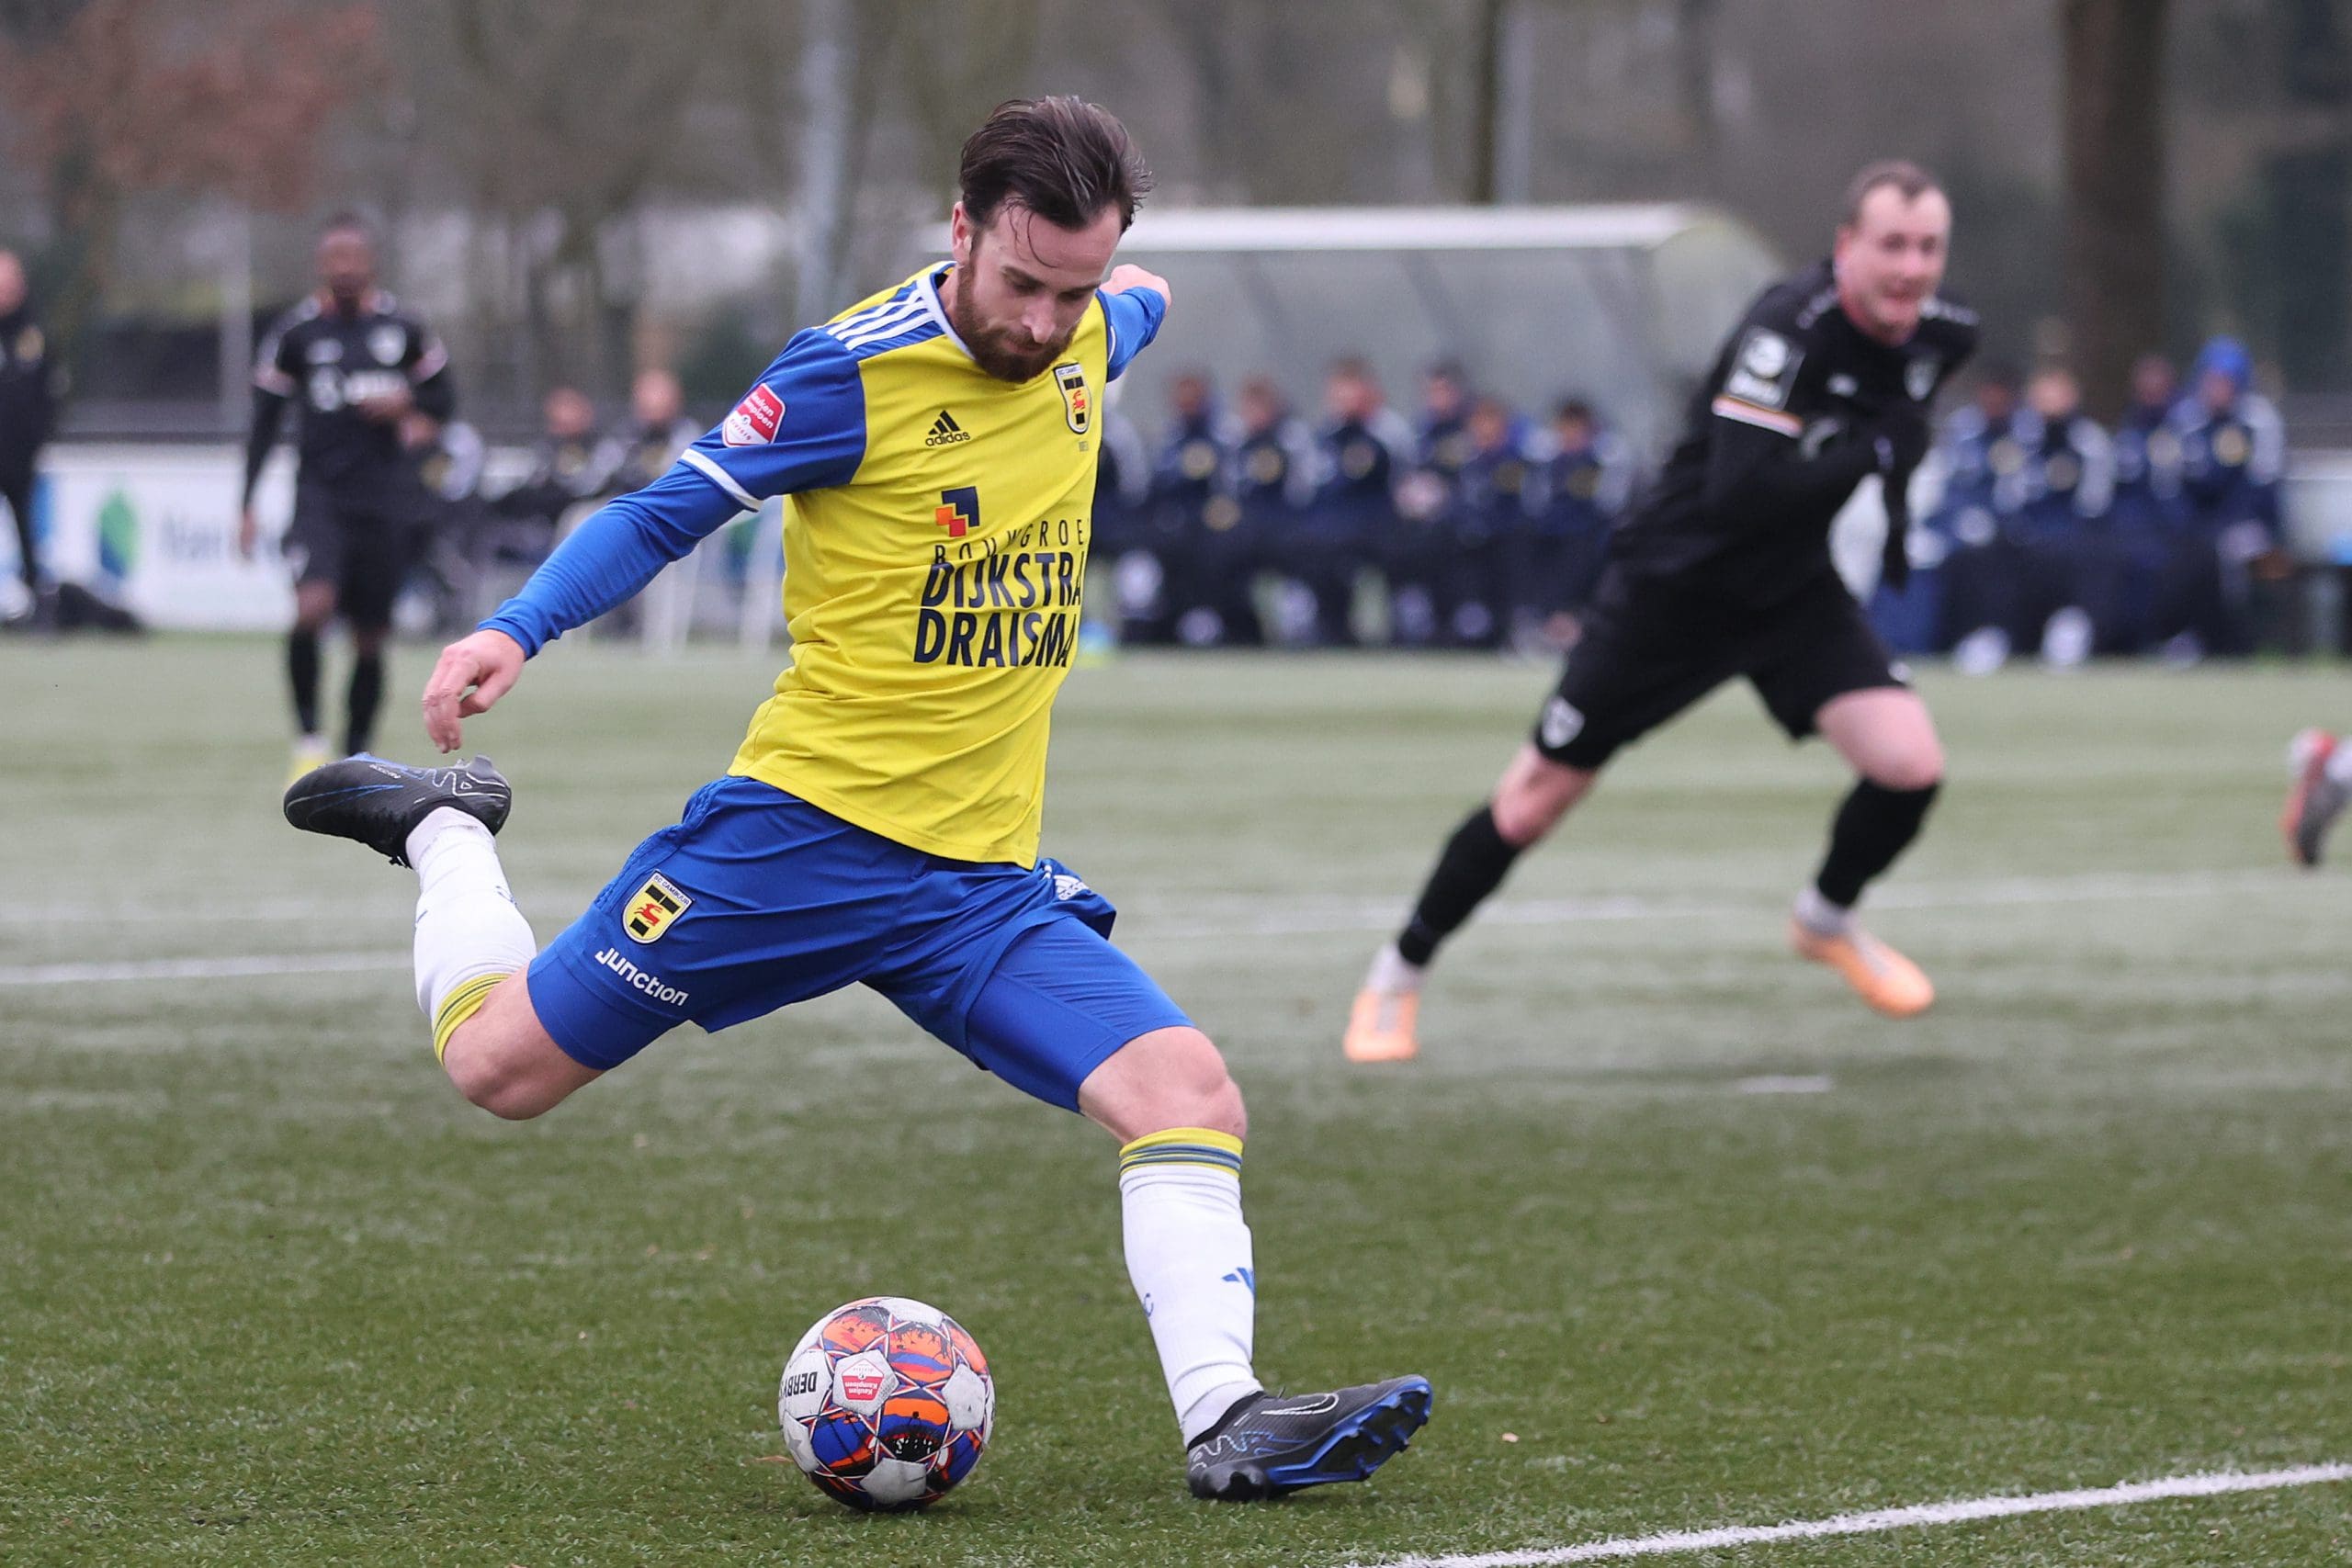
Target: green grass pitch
[269, 1292]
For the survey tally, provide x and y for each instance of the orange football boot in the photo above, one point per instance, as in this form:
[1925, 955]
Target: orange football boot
[1878, 975]
[1380, 1026]
[2314, 801]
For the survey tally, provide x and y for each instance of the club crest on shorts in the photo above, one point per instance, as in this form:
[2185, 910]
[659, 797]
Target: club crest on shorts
[652, 907]
[1077, 405]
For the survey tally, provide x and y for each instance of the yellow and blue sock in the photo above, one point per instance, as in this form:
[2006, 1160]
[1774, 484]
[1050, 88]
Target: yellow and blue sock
[1189, 1258]
[469, 935]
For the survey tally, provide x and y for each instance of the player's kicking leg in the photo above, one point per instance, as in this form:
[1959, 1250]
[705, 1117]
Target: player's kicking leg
[471, 941]
[1533, 795]
[1887, 735]
[2321, 768]
[1070, 1019]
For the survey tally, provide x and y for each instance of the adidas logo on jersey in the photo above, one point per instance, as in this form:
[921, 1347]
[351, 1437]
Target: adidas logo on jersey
[945, 432]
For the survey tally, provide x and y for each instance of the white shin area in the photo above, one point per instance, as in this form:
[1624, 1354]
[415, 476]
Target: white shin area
[467, 923]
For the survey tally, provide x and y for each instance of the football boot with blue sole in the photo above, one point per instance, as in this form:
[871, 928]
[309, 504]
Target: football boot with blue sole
[378, 803]
[1274, 1444]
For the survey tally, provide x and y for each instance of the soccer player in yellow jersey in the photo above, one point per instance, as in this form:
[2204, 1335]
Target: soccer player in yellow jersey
[880, 822]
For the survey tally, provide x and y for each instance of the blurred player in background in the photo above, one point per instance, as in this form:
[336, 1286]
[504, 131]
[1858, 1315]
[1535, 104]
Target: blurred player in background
[880, 822]
[28, 408]
[367, 377]
[1723, 569]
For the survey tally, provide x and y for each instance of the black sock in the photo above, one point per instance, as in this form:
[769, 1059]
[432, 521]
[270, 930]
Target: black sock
[366, 690]
[1874, 826]
[1472, 866]
[303, 668]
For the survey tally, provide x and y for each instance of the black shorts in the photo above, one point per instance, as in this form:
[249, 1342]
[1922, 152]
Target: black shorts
[1648, 652]
[363, 549]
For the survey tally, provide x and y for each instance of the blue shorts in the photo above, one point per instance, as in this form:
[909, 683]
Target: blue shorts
[757, 900]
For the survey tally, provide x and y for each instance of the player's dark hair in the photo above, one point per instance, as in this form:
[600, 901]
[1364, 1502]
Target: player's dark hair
[1062, 158]
[1576, 408]
[347, 222]
[1909, 180]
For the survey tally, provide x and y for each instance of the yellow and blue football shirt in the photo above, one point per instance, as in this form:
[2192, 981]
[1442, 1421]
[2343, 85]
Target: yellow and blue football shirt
[935, 544]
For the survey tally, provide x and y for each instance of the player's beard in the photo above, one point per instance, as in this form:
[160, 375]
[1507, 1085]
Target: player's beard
[996, 350]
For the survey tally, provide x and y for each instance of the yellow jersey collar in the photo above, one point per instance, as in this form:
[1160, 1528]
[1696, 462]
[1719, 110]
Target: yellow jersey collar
[928, 286]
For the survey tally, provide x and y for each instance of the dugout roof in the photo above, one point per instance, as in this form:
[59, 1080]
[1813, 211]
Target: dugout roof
[1623, 304]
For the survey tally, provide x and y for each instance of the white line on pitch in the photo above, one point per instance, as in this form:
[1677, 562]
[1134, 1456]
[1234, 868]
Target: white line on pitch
[200, 968]
[1884, 1520]
[1340, 917]
[1306, 917]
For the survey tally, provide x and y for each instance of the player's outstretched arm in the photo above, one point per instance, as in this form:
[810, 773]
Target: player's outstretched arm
[1133, 304]
[473, 673]
[1127, 275]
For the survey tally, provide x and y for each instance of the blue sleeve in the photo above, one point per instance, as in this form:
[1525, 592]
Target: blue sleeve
[801, 427]
[1133, 319]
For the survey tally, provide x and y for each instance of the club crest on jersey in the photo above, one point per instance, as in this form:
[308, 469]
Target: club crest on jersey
[755, 419]
[386, 342]
[959, 510]
[1920, 376]
[1077, 405]
[30, 345]
[1765, 370]
[652, 907]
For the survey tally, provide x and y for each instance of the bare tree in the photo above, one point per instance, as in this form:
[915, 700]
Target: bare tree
[110, 98]
[558, 116]
[2114, 94]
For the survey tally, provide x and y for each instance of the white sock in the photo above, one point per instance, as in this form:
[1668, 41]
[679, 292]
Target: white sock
[1819, 916]
[469, 935]
[1390, 973]
[1188, 1256]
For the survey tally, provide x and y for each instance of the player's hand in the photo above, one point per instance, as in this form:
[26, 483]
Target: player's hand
[248, 534]
[1128, 275]
[473, 673]
[387, 407]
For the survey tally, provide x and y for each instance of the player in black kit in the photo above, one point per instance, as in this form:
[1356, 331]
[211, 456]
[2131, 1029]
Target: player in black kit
[368, 377]
[1723, 570]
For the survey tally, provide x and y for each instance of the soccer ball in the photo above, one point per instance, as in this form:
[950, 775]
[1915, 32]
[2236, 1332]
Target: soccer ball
[887, 1403]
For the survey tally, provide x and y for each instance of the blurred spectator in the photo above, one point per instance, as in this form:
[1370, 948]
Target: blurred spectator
[2232, 451]
[1270, 480]
[573, 462]
[1983, 464]
[1487, 525]
[1416, 560]
[1362, 450]
[659, 430]
[449, 457]
[28, 404]
[1121, 495]
[1584, 485]
[2064, 483]
[1184, 481]
[2147, 496]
